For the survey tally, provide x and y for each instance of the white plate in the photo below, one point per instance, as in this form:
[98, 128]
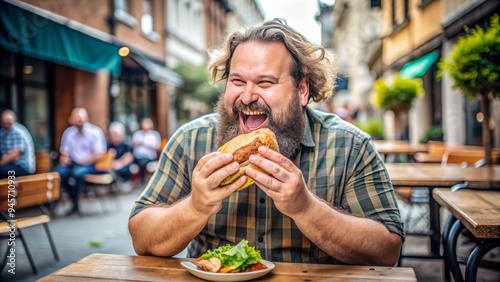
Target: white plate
[228, 277]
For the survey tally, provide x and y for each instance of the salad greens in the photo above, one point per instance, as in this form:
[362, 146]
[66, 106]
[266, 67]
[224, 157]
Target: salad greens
[237, 257]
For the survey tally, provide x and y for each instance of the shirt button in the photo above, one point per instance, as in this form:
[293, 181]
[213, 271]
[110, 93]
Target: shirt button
[261, 239]
[262, 200]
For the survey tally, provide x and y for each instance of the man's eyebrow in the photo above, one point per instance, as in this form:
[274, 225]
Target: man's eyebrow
[268, 76]
[262, 76]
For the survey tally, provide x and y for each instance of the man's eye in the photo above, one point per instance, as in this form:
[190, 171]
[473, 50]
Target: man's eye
[237, 82]
[265, 83]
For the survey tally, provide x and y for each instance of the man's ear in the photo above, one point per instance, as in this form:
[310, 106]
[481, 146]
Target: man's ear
[304, 91]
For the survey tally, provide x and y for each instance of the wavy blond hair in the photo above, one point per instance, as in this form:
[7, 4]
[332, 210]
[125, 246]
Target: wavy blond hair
[309, 60]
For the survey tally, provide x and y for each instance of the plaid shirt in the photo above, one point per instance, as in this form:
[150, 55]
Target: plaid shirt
[338, 162]
[15, 138]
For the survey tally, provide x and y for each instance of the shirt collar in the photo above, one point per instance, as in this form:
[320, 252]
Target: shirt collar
[307, 138]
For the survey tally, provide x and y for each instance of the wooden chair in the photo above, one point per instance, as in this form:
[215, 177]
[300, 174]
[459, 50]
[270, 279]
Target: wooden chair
[164, 142]
[469, 157]
[104, 179]
[42, 161]
[29, 192]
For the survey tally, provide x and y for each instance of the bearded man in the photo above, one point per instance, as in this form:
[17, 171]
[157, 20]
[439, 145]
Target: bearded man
[326, 197]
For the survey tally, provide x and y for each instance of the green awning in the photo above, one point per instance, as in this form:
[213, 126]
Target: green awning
[419, 67]
[35, 35]
[157, 72]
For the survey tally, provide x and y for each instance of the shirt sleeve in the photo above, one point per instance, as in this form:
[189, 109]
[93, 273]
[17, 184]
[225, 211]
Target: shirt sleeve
[157, 140]
[20, 142]
[369, 191]
[100, 146]
[171, 180]
[64, 149]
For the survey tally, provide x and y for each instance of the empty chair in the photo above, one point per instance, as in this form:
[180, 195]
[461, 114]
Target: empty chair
[103, 183]
[31, 191]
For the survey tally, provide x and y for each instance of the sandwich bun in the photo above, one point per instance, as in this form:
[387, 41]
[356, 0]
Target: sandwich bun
[242, 147]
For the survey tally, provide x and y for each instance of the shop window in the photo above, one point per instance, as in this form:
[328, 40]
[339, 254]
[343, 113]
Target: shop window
[36, 116]
[132, 103]
[24, 89]
[34, 70]
[147, 22]
[35, 101]
[122, 15]
[7, 64]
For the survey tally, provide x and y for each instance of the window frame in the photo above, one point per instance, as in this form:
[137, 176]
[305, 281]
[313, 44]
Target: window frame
[397, 26]
[121, 14]
[149, 34]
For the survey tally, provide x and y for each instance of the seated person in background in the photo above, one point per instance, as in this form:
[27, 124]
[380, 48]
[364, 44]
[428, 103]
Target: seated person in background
[146, 142]
[17, 152]
[123, 155]
[82, 145]
[326, 197]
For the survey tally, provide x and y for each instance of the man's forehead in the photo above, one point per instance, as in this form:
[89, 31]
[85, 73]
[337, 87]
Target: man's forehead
[264, 58]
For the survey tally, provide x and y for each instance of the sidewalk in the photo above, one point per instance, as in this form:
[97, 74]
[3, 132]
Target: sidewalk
[96, 232]
[75, 237]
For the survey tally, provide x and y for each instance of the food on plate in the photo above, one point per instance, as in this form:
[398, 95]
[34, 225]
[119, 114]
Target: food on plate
[242, 146]
[230, 259]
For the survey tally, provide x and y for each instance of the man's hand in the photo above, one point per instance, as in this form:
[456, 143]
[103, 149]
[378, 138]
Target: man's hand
[10, 157]
[64, 159]
[206, 194]
[285, 184]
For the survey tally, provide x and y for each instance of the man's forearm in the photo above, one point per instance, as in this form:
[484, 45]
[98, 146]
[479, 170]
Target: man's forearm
[10, 157]
[167, 230]
[350, 239]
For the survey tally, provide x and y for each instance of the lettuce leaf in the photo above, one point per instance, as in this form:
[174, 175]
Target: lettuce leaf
[237, 257]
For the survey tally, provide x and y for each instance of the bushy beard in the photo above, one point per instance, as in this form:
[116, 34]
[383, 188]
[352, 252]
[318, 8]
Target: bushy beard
[288, 124]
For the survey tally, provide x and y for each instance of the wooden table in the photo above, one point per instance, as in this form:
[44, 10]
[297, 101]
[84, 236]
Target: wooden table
[392, 148]
[428, 174]
[148, 268]
[479, 212]
[434, 175]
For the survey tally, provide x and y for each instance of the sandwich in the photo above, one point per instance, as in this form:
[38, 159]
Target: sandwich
[230, 259]
[244, 145]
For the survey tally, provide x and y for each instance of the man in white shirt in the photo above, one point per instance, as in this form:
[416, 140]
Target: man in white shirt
[82, 145]
[146, 143]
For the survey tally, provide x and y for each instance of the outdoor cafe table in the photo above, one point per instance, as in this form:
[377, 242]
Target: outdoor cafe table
[111, 267]
[392, 148]
[432, 175]
[479, 212]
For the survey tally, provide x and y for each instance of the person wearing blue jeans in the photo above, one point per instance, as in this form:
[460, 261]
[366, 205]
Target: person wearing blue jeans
[72, 180]
[82, 145]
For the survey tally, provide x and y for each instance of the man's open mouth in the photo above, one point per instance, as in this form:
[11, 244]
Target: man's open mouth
[253, 119]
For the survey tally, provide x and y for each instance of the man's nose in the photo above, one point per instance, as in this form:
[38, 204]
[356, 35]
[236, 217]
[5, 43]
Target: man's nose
[248, 96]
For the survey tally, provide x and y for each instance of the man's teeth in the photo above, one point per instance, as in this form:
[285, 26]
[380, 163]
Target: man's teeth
[253, 113]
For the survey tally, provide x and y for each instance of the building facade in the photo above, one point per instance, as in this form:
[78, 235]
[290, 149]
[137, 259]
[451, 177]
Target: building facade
[62, 54]
[415, 35]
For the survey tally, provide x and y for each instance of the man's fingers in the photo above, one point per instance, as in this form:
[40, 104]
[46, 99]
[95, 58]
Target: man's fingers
[276, 157]
[205, 159]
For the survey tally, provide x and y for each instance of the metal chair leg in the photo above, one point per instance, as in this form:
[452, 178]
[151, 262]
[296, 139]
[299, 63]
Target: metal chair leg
[475, 258]
[451, 251]
[28, 253]
[51, 241]
[446, 231]
[4, 259]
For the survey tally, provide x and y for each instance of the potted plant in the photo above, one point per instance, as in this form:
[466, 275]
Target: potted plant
[396, 95]
[474, 66]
